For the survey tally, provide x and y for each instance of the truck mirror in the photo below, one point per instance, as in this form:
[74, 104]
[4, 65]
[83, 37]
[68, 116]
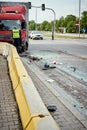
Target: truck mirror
[29, 5]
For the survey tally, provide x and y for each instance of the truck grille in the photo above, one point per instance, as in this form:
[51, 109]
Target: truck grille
[5, 35]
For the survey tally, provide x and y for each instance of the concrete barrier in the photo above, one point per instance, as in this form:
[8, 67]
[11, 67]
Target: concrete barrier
[34, 114]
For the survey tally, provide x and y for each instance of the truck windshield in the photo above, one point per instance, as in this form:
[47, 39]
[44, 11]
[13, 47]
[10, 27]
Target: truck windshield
[9, 24]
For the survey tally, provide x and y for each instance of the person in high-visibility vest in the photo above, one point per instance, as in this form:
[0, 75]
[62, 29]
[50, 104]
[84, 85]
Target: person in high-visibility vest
[16, 38]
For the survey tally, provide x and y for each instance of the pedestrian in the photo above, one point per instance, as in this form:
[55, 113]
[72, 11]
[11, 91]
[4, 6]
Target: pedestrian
[16, 38]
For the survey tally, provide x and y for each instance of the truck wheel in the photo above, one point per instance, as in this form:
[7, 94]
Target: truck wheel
[23, 48]
[26, 46]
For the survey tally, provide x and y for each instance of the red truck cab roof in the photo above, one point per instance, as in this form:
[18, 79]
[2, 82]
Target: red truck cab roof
[16, 12]
[11, 16]
[19, 9]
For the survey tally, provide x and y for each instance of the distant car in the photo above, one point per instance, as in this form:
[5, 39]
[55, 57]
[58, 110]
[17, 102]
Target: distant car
[35, 35]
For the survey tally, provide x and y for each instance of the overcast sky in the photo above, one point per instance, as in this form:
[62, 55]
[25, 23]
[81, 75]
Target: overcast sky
[61, 8]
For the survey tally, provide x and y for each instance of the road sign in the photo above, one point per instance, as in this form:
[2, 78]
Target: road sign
[83, 30]
[77, 24]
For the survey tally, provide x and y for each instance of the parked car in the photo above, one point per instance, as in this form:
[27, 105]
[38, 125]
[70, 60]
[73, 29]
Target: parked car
[35, 35]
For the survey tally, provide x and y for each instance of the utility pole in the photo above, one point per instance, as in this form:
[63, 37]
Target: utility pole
[36, 20]
[53, 27]
[79, 15]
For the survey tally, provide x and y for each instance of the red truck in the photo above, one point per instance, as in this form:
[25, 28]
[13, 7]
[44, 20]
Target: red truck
[14, 14]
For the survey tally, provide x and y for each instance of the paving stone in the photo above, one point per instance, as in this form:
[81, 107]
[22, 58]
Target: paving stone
[9, 116]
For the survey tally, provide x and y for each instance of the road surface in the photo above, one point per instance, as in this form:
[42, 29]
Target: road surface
[64, 86]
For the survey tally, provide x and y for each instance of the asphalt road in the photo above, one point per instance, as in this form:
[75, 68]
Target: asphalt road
[70, 54]
[72, 46]
[65, 85]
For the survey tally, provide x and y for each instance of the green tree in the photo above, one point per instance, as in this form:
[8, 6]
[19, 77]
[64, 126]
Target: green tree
[69, 23]
[57, 25]
[48, 26]
[32, 25]
[45, 26]
[71, 28]
[38, 27]
[84, 20]
[60, 23]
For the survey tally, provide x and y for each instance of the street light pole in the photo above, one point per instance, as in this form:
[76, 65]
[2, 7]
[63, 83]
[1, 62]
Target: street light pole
[36, 20]
[79, 15]
[36, 16]
[53, 28]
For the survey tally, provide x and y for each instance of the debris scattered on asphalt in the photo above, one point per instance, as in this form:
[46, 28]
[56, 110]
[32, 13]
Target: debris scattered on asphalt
[59, 63]
[74, 68]
[74, 105]
[22, 55]
[52, 108]
[47, 66]
[81, 107]
[54, 62]
[50, 80]
[75, 91]
[52, 67]
[81, 78]
[34, 58]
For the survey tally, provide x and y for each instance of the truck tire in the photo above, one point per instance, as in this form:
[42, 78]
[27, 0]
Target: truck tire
[26, 46]
[23, 49]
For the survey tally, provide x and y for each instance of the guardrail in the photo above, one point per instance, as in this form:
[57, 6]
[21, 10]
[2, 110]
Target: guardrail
[34, 114]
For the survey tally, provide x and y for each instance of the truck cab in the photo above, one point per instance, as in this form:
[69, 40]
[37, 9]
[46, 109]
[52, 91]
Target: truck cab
[14, 16]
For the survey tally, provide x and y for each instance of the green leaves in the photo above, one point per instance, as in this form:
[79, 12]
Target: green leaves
[69, 22]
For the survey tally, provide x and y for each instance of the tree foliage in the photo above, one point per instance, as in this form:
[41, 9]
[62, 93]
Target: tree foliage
[32, 25]
[69, 22]
[84, 20]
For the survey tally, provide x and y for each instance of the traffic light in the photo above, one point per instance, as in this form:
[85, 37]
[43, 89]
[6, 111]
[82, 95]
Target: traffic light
[29, 5]
[43, 7]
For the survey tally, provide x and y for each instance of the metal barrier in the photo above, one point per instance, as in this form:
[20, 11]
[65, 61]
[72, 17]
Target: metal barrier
[34, 114]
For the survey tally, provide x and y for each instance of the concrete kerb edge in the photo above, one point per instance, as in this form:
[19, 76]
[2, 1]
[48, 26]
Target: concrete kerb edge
[39, 117]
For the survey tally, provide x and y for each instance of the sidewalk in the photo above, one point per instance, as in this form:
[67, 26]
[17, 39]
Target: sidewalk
[9, 115]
